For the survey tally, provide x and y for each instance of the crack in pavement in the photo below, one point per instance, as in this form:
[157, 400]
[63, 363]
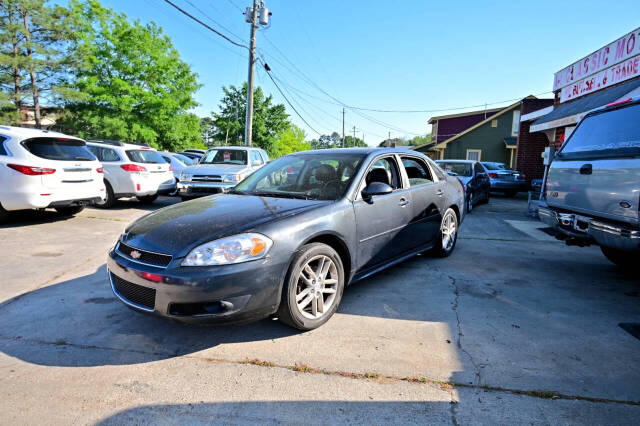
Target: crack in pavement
[447, 386]
[454, 308]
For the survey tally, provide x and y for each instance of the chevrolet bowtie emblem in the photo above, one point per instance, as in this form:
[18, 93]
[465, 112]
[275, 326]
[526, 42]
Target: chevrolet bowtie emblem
[136, 254]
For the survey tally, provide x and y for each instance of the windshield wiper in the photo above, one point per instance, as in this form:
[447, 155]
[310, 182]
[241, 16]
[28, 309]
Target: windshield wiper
[238, 192]
[82, 159]
[280, 195]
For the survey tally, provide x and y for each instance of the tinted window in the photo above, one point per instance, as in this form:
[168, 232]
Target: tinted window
[225, 156]
[166, 159]
[389, 165]
[478, 168]
[461, 169]
[312, 176]
[617, 129]
[3, 150]
[104, 154]
[417, 172]
[145, 156]
[59, 149]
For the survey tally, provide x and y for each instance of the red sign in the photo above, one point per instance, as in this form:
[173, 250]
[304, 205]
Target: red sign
[227, 156]
[610, 76]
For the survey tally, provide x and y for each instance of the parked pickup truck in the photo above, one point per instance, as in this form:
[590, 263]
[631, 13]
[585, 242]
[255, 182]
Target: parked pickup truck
[592, 193]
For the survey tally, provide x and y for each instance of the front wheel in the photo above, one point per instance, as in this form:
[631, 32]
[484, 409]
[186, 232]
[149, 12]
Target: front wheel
[623, 259]
[448, 235]
[110, 198]
[70, 210]
[147, 199]
[312, 288]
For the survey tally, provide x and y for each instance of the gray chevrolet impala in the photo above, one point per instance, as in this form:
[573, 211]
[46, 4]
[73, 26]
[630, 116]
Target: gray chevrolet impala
[287, 240]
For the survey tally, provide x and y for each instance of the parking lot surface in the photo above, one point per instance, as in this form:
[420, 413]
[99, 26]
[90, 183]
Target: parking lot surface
[513, 328]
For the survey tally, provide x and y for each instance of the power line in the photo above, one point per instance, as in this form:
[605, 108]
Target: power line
[213, 20]
[286, 99]
[205, 25]
[235, 5]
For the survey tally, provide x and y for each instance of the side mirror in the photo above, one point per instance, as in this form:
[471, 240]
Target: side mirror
[376, 188]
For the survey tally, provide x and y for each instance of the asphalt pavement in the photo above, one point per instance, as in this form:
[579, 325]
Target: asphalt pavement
[513, 328]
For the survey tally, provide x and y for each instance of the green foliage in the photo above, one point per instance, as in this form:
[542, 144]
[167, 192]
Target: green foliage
[269, 120]
[291, 140]
[327, 141]
[132, 85]
[415, 141]
[36, 55]
[350, 142]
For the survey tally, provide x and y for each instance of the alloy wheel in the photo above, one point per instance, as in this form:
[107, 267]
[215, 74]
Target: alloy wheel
[449, 231]
[317, 287]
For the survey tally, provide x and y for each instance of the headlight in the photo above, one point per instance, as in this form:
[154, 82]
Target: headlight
[236, 249]
[185, 176]
[232, 178]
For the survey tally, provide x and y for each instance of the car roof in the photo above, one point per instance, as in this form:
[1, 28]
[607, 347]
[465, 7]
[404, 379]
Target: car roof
[27, 132]
[229, 147]
[118, 144]
[362, 151]
[457, 161]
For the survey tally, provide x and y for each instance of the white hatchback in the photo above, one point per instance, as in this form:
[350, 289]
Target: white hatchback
[132, 170]
[40, 169]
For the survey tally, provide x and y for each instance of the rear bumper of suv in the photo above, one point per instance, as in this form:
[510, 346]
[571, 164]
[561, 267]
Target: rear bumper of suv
[590, 230]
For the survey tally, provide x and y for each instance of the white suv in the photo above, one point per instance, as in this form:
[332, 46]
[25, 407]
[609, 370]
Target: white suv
[132, 170]
[41, 169]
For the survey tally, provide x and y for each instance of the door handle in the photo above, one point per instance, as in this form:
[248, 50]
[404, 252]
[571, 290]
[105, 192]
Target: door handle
[403, 202]
[439, 193]
[586, 169]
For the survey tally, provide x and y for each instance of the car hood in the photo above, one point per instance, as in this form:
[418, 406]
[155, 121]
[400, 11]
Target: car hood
[179, 228]
[215, 169]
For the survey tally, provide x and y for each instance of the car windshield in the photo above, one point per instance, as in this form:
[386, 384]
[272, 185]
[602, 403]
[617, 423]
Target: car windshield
[184, 159]
[496, 166]
[612, 132]
[59, 149]
[460, 169]
[145, 156]
[225, 156]
[314, 176]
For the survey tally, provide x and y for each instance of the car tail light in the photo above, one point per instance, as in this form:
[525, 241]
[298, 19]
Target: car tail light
[170, 168]
[100, 170]
[133, 168]
[32, 171]
[493, 175]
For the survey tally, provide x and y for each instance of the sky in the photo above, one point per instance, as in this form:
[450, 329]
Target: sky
[388, 55]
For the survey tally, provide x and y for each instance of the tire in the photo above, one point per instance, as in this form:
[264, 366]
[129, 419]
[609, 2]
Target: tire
[147, 199]
[510, 194]
[443, 247]
[470, 202]
[4, 215]
[623, 259]
[111, 199]
[69, 211]
[303, 318]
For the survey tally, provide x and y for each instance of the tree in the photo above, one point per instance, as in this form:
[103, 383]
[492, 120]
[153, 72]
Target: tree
[291, 140]
[36, 58]
[350, 142]
[327, 141]
[269, 120]
[207, 128]
[132, 86]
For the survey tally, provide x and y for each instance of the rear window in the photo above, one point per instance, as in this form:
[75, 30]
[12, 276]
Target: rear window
[609, 133]
[145, 156]
[183, 158]
[496, 166]
[59, 149]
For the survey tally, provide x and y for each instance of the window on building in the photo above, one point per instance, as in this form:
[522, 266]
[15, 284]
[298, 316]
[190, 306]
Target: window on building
[516, 123]
[474, 154]
[494, 123]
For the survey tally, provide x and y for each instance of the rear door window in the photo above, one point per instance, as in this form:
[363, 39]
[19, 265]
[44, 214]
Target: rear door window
[255, 157]
[145, 156]
[59, 149]
[417, 172]
[610, 133]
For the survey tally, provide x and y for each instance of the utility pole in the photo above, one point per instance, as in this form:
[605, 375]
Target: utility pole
[343, 127]
[251, 16]
[389, 140]
[354, 136]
